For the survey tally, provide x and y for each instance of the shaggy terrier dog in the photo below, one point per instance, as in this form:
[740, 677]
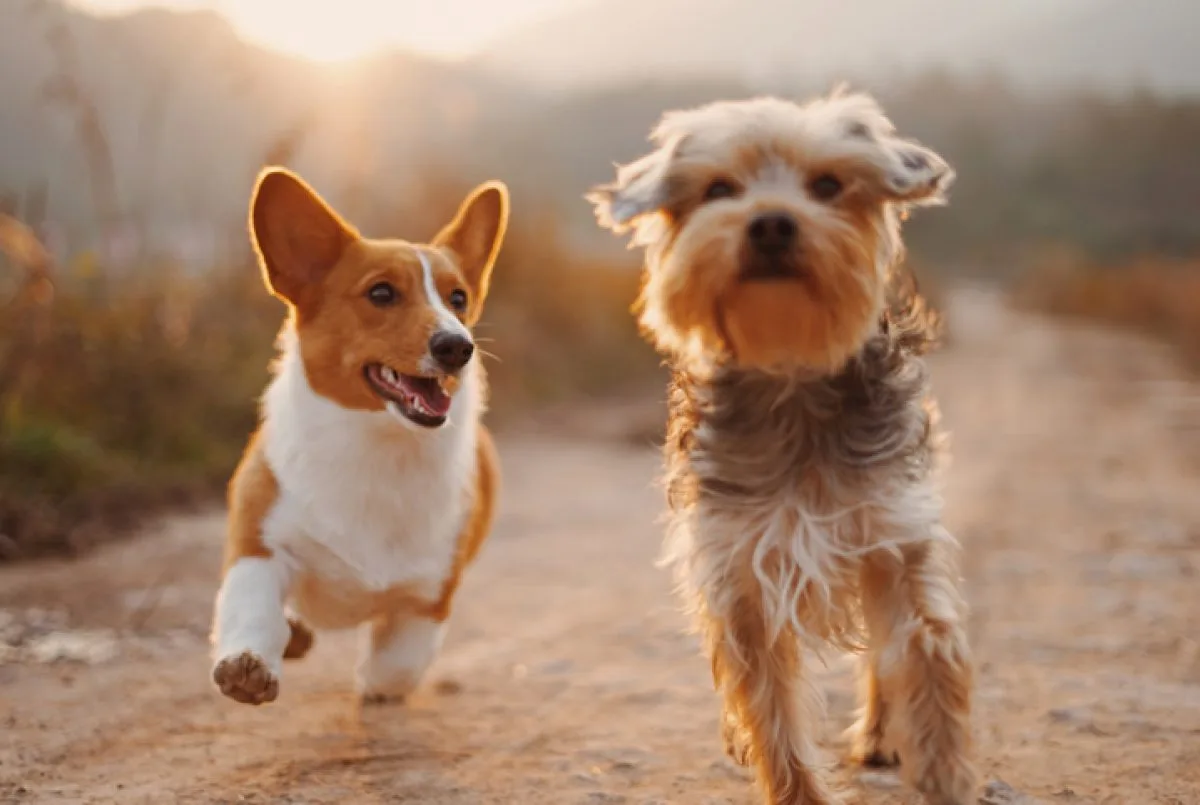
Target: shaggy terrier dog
[803, 437]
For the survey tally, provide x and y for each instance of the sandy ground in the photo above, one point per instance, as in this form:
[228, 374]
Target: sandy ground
[568, 677]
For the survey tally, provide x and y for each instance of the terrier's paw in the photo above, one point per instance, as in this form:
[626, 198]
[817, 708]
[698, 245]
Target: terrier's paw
[735, 742]
[879, 759]
[246, 678]
[949, 780]
[867, 749]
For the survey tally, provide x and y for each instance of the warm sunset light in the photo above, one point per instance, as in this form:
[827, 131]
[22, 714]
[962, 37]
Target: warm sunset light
[329, 31]
[335, 31]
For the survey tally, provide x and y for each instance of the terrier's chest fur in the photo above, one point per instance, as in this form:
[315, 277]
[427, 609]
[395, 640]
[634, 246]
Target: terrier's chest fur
[804, 476]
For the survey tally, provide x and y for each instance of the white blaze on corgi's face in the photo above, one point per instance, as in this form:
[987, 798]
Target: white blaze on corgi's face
[382, 324]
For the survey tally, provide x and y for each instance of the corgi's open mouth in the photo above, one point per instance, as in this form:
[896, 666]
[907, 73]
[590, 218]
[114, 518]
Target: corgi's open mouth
[421, 399]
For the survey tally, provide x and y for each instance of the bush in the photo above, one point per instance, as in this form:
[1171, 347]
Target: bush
[1157, 296]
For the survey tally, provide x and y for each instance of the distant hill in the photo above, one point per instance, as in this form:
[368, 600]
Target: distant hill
[189, 111]
[1107, 44]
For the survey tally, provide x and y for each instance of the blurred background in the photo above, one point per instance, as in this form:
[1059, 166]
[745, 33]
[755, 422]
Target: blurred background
[135, 334]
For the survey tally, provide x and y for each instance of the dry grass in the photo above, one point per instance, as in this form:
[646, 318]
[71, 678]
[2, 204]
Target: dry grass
[120, 396]
[1157, 296]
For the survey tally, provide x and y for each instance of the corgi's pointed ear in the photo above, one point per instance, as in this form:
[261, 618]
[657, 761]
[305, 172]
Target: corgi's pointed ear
[477, 232]
[297, 235]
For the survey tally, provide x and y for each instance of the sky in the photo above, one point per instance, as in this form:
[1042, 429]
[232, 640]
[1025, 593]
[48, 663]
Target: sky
[331, 30]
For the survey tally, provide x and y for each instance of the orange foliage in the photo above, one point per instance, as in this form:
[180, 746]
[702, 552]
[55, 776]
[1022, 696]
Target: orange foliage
[1157, 296]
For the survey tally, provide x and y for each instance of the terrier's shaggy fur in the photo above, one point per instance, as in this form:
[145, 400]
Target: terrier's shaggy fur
[803, 438]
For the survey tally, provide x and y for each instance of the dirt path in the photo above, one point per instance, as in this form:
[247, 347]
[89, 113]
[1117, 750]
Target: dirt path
[567, 678]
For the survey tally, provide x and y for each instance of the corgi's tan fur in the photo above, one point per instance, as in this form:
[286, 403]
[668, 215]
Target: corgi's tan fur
[371, 483]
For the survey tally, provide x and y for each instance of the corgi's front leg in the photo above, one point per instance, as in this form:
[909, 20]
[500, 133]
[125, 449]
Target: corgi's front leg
[251, 630]
[396, 652]
[399, 647]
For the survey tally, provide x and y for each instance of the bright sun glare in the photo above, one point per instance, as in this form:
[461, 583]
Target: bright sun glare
[337, 30]
[330, 31]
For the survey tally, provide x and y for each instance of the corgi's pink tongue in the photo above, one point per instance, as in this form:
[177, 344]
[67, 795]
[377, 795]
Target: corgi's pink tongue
[427, 394]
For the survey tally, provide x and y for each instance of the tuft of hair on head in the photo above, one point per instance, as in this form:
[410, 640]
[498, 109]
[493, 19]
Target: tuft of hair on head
[903, 171]
[832, 170]
[846, 123]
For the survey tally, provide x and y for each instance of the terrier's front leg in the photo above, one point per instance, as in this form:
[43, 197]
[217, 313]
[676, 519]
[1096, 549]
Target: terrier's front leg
[396, 652]
[915, 615]
[251, 630]
[766, 724]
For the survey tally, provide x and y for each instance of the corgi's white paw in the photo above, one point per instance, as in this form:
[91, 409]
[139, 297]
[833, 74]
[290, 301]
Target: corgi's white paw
[246, 678]
[396, 654]
[396, 687]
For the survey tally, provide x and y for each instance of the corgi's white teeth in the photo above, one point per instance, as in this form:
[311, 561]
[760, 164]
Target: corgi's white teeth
[425, 398]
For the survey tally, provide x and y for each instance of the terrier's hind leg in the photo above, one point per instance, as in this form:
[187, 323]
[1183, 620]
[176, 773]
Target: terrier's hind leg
[868, 746]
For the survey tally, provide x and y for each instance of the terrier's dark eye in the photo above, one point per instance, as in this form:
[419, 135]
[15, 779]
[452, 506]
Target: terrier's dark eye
[825, 187]
[458, 300]
[382, 294]
[718, 189]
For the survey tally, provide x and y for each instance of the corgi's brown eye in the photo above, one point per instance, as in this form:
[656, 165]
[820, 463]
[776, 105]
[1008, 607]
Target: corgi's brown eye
[382, 294]
[718, 189]
[458, 300]
[825, 187]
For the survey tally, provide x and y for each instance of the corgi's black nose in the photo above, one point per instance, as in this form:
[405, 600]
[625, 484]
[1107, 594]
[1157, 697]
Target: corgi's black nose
[451, 350]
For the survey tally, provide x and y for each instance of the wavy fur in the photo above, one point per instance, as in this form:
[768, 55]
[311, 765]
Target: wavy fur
[803, 443]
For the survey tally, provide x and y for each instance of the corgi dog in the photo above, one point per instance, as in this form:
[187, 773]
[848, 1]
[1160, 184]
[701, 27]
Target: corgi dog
[371, 483]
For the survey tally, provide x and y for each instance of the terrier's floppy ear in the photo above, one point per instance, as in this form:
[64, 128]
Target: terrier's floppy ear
[898, 170]
[477, 232]
[913, 174]
[641, 188]
[298, 237]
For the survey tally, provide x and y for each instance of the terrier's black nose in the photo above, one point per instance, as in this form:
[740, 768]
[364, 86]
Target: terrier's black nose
[773, 233]
[451, 350]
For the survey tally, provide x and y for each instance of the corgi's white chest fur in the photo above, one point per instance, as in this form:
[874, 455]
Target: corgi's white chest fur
[367, 504]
